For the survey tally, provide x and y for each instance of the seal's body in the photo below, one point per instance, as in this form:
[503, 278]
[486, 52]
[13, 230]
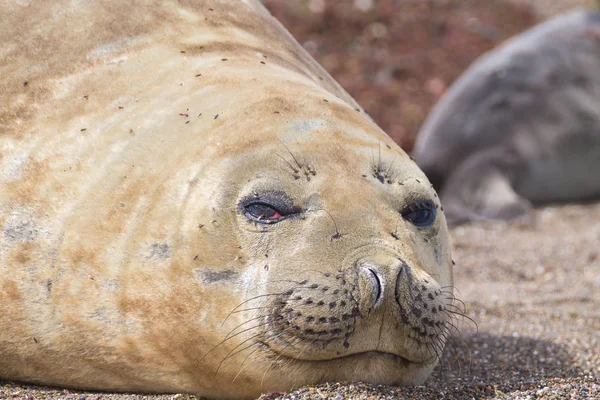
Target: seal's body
[521, 126]
[188, 200]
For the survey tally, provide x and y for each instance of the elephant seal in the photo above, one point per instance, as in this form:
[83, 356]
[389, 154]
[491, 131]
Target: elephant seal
[521, 126]
[190, 203]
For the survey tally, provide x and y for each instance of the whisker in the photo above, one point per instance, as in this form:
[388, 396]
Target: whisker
[286, 293]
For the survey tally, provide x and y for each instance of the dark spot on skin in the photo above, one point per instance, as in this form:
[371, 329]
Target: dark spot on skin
[49, 286]
[196, 257]
[442, 208]
[357, 109]
[453, 263]
[417, 312]
[200, 226]
[275, 112]
[83, 129]
[342, 303]
[25, 83]
[210, 276]
[322, 320]
[187, 122]
[159, 251]
[326, 101]
[332, 305]
[198, 75]
[346, 344]
[223, 59]
[182, 51]
[210, 9]
[121, 107]
[325, 288]
[262, 62]
[216, 116]
[320, 303]
[395, 236]
[310, 319]
[35, 340]
[86, 97]
[266, 267]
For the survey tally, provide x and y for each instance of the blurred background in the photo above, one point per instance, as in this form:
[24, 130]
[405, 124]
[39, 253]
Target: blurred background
[397, 57]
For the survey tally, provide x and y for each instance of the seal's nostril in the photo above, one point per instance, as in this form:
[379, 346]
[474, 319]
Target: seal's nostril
[370, 285]
[376, 285]
[403, 275]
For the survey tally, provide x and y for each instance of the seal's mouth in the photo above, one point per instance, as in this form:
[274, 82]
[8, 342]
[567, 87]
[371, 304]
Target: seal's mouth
[362, 356]
[376, 354]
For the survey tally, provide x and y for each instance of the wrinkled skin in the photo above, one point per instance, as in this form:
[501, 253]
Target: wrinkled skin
[521, 126]
[136, 141]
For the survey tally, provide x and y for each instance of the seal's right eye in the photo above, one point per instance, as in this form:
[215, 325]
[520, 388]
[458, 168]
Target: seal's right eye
[263, 213]
[268, 207]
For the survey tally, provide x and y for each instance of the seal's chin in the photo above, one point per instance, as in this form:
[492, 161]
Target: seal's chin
[376, 367]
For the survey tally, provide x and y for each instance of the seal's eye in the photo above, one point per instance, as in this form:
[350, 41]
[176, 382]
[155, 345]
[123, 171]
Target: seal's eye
[262, 212]
[268, 207]
[420, 213]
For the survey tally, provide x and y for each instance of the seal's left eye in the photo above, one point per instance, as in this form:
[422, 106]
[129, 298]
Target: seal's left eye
[421, 213]
[261, 212]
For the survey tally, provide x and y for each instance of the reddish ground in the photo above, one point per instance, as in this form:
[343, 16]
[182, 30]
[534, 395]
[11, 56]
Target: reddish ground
[397, 57]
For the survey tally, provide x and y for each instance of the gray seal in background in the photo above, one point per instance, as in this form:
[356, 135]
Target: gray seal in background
[521, 126]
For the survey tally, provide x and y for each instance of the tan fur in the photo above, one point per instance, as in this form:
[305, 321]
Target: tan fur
[129, 133]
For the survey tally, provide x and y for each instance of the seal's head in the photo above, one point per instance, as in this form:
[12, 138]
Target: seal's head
[347, 261]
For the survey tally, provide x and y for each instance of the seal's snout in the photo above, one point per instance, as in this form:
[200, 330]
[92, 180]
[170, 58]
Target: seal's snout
[373, 278]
